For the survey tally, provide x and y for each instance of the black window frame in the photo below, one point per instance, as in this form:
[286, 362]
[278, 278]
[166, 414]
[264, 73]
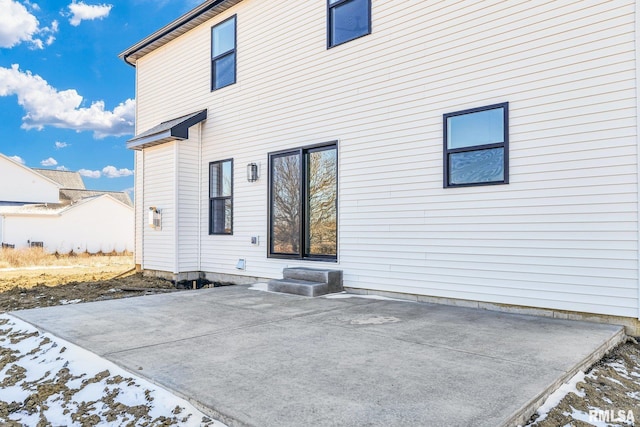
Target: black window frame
[303, 203]
[504, 145]
[213, 198]
[339, 3]
[224, 54]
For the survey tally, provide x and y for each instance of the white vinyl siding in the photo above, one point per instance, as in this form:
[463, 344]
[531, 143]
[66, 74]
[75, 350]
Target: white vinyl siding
[140, 217]
[159, 175]
[562, 234]
[188, 196]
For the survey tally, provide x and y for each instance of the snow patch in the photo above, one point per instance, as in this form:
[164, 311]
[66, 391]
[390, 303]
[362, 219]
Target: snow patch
[554, 398]
[46, 359]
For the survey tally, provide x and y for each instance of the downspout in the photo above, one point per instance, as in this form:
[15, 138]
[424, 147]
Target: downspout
[139, 198]
[142, 223]
[200, 196]
[176, 219]
[637, 66]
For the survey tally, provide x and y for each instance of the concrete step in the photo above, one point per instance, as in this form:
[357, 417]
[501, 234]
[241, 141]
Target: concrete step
[298, 287]
[331, 277]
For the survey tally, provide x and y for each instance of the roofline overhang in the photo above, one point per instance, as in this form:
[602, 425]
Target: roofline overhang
[176, 28]
[177, 132]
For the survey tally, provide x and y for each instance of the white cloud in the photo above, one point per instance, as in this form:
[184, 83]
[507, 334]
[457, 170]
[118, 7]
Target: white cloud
[60, 145]
[81, 11]
[33, 6]
[89, 173]
[107, 172]
[18, 25]
[18, 159]
[49, 162]
[50, 31]
[46, 106]
[62, 168]
[113, 172]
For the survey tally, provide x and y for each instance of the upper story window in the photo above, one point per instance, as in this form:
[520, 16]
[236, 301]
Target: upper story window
[476, 146]
[221, 197]
[223, 54]
[348, 20]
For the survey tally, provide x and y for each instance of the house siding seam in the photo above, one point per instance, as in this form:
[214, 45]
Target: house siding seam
[562, 235]
[637, 67]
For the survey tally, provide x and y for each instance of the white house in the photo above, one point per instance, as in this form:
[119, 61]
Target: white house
[482, 153]
[76, 219]
[21, 185]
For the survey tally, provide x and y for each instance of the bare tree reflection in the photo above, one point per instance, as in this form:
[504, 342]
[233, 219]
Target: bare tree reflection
[322, 202]
[286, 204]
[321, 194]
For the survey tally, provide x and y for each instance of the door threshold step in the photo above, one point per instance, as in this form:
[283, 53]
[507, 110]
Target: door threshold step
[299, 287]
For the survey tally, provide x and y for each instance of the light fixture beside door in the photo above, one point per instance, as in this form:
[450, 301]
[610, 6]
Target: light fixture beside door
[252, 172]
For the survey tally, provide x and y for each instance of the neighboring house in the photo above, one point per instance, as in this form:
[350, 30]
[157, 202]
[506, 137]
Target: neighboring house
[76, 219]
[20, 185]
[482, 153]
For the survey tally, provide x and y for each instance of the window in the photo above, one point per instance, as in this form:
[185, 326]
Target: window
[476, 146]
[303, 199]
[348, 20]
[223, 54]
[221, 197]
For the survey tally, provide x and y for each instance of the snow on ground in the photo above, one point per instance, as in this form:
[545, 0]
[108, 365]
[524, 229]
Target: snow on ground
[609, 395]
[556, 397]
[260, 286]
[45, 380]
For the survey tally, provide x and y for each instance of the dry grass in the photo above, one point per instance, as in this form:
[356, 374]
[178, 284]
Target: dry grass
[32, 257]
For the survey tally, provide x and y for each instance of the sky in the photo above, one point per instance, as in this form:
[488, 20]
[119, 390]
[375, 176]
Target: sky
[66, 100]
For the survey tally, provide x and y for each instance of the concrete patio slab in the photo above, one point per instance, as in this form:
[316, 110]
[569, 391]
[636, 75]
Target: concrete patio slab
[262, 359]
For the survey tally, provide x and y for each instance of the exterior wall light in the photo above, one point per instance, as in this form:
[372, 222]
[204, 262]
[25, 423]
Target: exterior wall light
[252, 172]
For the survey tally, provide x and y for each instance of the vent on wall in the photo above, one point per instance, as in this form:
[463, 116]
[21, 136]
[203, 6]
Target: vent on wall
[36, 244]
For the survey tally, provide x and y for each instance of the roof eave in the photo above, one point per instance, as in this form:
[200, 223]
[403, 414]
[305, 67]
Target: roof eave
[178, 132]
[176, 28]
[151, 140]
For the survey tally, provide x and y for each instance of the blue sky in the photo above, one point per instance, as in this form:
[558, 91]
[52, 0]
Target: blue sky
[66, 99]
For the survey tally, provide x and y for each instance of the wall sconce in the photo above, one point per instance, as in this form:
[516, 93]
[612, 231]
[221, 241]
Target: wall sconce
[252, 172]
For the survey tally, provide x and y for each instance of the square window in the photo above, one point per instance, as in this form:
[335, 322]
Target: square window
[223, 54]
[476, 146]
[348, 20]
[221, 197]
